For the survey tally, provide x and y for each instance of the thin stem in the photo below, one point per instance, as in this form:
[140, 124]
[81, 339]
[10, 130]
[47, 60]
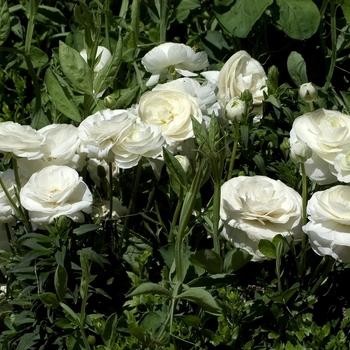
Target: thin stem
[163, 20]
[176, 214]
[234, 150]
[334, 44]
[304, 216]
[110, 167]
[107, 24]
[130, 207]
[324, 275]
[216, 217]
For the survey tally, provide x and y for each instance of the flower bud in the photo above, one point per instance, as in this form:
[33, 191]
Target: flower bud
[109, 102]
[235, 110]
[247, 97]
[308, 92]
[300, 152]
[272, 79]
[185, 163]
[285, 145]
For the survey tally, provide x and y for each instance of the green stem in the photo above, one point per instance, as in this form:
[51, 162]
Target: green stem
[176, 214]
[304, 216]
[324, 275]
[130, 207]
[234, 150]
[334, 44]
[216, 217]
[163, 20]
[110, 167]
[107, 5]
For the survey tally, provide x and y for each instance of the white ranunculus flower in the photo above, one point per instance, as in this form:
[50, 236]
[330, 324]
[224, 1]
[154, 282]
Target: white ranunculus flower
[101, 131]
[171, 111]
[257, 207]
[329, 222]
[104, 55]
[144, 140]
[342, 166]
[308, 92]
[241, 72]
[327, 133]
[7, 211]
[55, 191]
[21, 140]
[167, 59]
[61, 147]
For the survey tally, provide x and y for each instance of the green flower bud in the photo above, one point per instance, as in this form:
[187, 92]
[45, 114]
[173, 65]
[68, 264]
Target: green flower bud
[101, 171]
[285, 145]
[247, 97]
[272, 79]
[109, 102]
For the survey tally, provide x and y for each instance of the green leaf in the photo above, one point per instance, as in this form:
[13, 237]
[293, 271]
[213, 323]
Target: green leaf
[86, 228]
[241, 17]
[49, 299]
[175, 169]
[208, 260]
[106, 75]
[61, 282]
[38, 57]
[125, 97]
[267, 248]
[110, 330]
[184, 8]
[69, 311]
[299, 19]
[148, 287]
[76, 69]
[50, 16]
[202, 298]
[345, 6]
[235, 259]
[202, 137]
[4, 21]
[60, 97]
[260, 163]
[297, 68]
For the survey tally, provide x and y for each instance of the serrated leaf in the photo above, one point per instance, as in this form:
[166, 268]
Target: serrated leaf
[299, 19]
[297, 68]
[61, 282]
[241, 17]
[61, 97]
[5, 25]
[149, 287]
[202, 298]
[208, 260]
[76, 69]
[107, 74]
[267, 248]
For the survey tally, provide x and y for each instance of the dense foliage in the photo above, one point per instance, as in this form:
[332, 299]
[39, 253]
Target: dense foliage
[149, 267]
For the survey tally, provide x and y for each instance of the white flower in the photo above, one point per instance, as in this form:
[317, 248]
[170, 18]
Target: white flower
[144, 140]
[308, 92]
[61, 147]
[21, 140]
[329, 222]
[101, 131]
[167, 59]
[342, 166]
[7, 211]
[300, 152]
[241, 72]
[327, 133]
[235, 109]
[255, 208]
[104, 55]
[171, 111]
[55, 191]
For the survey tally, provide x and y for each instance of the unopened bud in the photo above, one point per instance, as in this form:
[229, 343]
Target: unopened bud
[308, 92]
[185, 163]
[235, 110]
[247, 97]
[285, 145]
[272, 79]
[300, 152]
[109, 102]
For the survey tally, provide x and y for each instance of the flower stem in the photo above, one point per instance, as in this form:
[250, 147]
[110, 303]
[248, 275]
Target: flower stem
[176, 214]
[234, 150]
[130, 207]
[324, 275]
[110, 190]
[334, 44]
[304, 216]
[216, 217]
